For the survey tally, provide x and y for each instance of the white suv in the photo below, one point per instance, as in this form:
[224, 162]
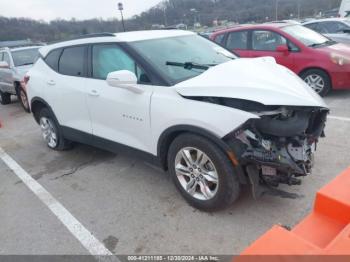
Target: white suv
[212, 120]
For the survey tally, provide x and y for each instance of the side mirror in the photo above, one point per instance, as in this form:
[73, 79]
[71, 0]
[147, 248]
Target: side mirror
[124, 79]
[4, 65]
[282, 49]
[346, 31]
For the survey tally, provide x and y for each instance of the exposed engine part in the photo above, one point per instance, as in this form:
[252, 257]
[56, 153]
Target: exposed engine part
[280, 145]
[284, 127]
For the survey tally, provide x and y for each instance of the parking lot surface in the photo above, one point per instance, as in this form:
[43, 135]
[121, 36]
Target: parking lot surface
[132, 207]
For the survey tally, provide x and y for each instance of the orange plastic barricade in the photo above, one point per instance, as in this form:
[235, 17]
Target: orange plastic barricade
[325, 232]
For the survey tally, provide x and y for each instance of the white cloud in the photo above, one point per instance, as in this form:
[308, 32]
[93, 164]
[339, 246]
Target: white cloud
[67, 9]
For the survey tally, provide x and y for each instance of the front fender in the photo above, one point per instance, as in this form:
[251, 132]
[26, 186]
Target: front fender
[170, 109]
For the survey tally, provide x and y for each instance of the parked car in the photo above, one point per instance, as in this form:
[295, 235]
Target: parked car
[213, 120]
[14, 64]
[319, 61]
[344, 8]
[337, 29]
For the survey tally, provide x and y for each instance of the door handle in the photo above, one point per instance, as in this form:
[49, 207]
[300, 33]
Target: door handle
[51, 83]
[94, 93]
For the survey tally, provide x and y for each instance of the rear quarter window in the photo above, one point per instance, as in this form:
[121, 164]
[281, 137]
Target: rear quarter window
[52, 59]
[219, 39]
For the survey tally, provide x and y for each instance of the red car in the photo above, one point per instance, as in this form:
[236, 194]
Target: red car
[321, 62]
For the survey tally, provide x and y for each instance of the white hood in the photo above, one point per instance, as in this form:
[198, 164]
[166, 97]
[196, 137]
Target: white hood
[258, 79]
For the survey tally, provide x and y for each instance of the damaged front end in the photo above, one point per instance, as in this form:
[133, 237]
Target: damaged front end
[281, 144]
[278, 147]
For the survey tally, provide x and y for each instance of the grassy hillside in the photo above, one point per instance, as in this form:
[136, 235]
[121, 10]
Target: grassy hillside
[168, 12]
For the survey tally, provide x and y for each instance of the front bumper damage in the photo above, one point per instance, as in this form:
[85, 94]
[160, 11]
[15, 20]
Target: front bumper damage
[278, 148]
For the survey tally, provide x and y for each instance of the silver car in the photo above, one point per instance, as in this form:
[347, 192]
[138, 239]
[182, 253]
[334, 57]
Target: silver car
[337, 29]
[14, 64]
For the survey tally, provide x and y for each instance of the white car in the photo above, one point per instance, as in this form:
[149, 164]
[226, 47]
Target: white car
[212, 120]
[337, 29]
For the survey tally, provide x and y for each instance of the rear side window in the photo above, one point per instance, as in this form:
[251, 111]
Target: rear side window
[71, 61]
[52, 59]
[237, 40]
[219, 39]
[6, 58]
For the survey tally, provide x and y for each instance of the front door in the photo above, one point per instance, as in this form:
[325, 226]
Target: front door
[118, 115]
[265, 43]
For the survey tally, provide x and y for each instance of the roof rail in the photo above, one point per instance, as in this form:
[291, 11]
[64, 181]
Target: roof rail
[93, 35]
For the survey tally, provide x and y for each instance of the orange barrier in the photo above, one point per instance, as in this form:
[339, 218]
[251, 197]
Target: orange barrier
[325, 231]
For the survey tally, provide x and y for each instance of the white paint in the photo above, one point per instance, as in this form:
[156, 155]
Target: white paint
[346, 119]
[85, 237]
[254, 79]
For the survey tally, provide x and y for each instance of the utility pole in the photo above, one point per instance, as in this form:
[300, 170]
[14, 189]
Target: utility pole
[165, 17]
[121, 8]
[276, 16]
[299, 9]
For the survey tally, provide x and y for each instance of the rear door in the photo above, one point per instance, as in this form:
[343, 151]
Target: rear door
[66, 87]
[238, 42]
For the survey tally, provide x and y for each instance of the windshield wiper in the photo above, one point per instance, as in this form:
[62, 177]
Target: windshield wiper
[26, 64]
[190, 65]
[329, 42]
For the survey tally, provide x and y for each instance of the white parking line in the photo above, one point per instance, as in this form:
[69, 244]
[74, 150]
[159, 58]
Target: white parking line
[85, 237]
[346, 119]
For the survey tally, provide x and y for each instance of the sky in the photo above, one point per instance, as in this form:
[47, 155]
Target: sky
[66, 9]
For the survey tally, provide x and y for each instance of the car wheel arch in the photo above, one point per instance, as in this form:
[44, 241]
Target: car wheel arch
[36, 105]
[315, 68]
[168, 136]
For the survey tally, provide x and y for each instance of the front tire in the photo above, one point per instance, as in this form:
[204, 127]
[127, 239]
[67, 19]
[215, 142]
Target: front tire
[5, 98]
[202, 173]
[51, 132]
[318, 80]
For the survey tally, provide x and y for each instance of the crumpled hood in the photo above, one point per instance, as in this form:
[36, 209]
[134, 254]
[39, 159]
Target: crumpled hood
[259, 79]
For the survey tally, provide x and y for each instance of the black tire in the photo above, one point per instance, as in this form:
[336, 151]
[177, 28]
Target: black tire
[228, 184]
[5, 98]
[323, 75]
[23, 98]
[61, 143]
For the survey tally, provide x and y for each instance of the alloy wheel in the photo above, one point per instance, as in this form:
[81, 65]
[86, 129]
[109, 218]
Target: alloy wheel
[48, 132]
[196, 173]
[316, 82]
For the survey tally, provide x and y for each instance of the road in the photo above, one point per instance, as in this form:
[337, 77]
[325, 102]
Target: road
[132, 207]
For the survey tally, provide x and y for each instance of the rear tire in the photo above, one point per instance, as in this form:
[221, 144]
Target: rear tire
[51, 131]
[318, 80]
[5, 98]
[207, 181]
[23, 98]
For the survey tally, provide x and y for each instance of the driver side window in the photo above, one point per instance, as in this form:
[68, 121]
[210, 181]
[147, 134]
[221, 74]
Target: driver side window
[107, 58]
[267, 40]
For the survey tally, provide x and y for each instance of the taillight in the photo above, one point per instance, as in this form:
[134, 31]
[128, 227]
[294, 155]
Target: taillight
[26, 79]
[24, 82]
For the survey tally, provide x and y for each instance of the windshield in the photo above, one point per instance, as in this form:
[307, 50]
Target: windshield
[25, 57]
[183, 57]
[307, 36]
